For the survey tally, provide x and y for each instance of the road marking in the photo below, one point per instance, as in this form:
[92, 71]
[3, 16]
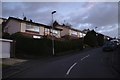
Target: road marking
[85, 57]
[70, 68]
[75, 64]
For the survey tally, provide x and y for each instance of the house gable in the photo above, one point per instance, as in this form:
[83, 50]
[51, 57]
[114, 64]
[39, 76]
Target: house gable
[12, 26]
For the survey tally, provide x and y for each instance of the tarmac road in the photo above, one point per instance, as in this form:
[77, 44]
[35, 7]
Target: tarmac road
[87, 64]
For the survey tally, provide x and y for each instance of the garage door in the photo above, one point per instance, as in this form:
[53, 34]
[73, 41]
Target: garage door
[5, 48]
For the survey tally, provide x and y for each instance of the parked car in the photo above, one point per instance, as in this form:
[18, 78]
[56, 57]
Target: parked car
[117, 42]
[109, 46]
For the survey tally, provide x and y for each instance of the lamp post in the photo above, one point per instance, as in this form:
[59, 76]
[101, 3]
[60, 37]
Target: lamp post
[53, 35]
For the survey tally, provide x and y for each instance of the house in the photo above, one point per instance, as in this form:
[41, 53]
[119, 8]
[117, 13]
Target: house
[107, 37]
[36, 30]
[68, 31]
[2, 20]
[86, 30]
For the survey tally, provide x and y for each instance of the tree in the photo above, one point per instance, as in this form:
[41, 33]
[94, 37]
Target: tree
[100, 39]
[91, 39]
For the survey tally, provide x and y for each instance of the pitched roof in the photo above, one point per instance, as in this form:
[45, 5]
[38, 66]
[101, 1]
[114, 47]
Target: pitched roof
[65, 26]
[3, 18]
[55, 23]
[34, 23]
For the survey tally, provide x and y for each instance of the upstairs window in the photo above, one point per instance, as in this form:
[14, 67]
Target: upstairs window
[81, 34]
[55, 33]
[32, 28]
[73, 32]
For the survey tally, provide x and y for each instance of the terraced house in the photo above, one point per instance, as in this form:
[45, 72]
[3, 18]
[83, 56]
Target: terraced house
[2, 20]
[69, 31]
[37, 30]
[30, 28]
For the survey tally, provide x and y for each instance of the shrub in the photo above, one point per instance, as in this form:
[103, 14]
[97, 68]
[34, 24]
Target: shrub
[5, 35]
[91, 39]
[43, 46]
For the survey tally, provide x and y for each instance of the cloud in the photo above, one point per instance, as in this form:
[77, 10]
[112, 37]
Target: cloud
[110, 30]
[60, 1]
[80, 14]
[100, 14]
[9, 10]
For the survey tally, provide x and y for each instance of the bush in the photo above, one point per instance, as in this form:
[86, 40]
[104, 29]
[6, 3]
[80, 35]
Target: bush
[5, 35]
[91, 39]
[100, 39]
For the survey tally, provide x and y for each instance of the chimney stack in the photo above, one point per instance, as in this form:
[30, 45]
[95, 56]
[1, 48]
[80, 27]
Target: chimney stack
[25, 18]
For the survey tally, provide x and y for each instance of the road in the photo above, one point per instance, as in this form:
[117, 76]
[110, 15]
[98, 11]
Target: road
[86, 64]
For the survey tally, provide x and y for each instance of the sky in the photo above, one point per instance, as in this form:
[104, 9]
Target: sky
[81, 15]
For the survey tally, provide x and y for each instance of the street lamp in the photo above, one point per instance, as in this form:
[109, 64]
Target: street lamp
[52, 34]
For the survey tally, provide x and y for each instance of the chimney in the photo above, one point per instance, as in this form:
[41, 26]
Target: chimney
[25, 18]
[30, 20]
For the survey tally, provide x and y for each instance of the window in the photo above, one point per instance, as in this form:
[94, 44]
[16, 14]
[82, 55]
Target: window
[55, 33]
[37, 37]
[84, 34]
[46, 31]
[81, 34]
[32, 28]
[73, 32]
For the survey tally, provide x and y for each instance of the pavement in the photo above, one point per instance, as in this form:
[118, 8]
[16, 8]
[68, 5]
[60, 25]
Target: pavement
[11, 66]
[112, 59]
[12, 61]
[84, 64]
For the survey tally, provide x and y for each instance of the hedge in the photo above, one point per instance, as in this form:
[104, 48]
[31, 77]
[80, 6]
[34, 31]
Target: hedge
[43, 46]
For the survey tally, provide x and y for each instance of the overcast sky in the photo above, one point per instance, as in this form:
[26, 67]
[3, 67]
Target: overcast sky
[81, 15]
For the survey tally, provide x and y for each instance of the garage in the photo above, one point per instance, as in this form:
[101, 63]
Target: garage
[6, 48]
